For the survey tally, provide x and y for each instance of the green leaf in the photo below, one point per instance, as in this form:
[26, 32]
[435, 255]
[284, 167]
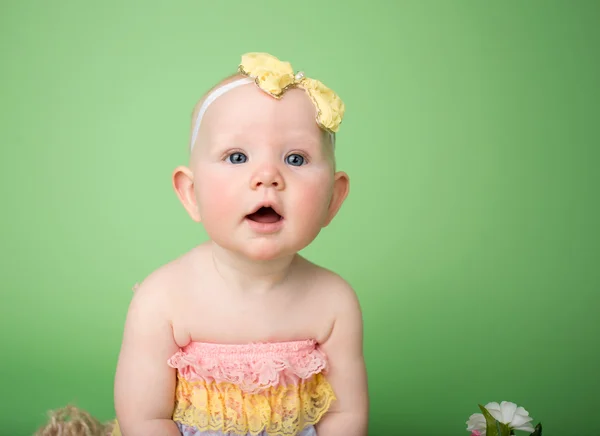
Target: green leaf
[494, 427]
[538, 430]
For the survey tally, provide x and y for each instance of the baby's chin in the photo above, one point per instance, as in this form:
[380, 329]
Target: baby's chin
[265, 252]
[263, 249]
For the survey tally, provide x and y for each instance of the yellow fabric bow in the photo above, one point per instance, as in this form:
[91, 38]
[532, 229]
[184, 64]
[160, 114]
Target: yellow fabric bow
[275, 77]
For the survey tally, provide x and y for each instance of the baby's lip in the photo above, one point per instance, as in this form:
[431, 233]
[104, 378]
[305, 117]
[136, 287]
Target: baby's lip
[267, 204]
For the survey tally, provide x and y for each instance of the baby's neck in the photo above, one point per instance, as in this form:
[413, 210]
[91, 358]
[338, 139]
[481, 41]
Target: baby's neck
[249, 276]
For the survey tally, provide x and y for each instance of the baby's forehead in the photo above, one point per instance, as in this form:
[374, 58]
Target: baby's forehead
[262, 136]
[248, 109]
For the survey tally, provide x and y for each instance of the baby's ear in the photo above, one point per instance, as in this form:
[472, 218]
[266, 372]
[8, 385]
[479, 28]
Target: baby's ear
[183, 183]
[341, 188]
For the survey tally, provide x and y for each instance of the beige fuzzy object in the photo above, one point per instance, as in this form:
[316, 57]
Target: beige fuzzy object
[72, 421]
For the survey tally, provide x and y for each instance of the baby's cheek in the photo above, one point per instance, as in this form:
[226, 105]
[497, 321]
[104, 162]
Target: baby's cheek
[216, 198]
[222, 206]
[314, 200]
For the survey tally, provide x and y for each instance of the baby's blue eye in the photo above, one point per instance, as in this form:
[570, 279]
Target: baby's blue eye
[295, 160]
[237, 158]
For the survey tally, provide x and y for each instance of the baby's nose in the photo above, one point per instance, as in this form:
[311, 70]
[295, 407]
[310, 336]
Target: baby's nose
[268, 177]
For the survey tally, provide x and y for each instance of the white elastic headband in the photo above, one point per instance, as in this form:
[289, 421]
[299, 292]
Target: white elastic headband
[210, 99]
[216, 94]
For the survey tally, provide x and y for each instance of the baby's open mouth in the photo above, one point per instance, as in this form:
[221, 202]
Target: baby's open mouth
[264, 215]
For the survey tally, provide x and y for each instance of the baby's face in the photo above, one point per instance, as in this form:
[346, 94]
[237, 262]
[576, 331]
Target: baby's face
[263, 174]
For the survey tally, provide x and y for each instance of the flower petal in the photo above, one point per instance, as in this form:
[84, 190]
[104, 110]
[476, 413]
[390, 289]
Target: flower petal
[495, 411]
[476, 422]
[492, 405]
[520, 420]
[508, 410]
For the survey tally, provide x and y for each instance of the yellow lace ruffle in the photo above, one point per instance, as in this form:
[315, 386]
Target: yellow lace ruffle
[279, 411]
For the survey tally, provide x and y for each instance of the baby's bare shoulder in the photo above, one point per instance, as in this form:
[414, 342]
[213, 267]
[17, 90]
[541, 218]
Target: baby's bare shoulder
[329, 287]
[168, 282]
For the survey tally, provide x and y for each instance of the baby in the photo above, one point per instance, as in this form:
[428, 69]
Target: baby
[242, 335]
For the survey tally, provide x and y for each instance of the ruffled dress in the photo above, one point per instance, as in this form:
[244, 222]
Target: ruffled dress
[259, 389]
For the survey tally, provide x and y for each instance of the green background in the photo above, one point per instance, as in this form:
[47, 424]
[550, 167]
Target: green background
[470, 234]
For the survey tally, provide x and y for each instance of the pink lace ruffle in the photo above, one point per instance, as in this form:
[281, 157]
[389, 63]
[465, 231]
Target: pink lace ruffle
[253, 367]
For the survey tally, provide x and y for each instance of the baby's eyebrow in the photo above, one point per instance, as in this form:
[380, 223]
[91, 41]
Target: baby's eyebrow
[303, 138]
[228, 138]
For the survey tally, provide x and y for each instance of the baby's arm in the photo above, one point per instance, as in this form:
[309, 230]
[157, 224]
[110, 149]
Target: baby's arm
[348, 415]
[144, 384]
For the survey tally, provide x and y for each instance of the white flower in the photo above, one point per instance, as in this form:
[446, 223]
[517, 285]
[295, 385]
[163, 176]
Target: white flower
[506, 412]
[477, 422]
